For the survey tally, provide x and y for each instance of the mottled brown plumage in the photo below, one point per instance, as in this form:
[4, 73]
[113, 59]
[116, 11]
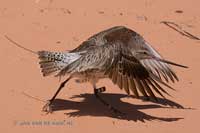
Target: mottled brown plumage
[120, 54]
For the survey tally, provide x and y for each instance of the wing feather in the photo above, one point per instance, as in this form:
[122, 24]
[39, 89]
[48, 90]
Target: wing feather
[149, 91]
[133, 87]
[126, 84]
[154, 87]
[140, 87]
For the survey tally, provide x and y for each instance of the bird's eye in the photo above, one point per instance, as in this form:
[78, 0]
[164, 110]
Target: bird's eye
[144, 52]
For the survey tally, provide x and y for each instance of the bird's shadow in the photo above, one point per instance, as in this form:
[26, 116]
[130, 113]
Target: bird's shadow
[90, 106]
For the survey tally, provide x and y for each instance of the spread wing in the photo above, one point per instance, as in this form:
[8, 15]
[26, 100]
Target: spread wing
[128, 60]
[140, 67]
[130, 74]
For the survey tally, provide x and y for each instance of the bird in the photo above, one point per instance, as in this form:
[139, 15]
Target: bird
[117, 53]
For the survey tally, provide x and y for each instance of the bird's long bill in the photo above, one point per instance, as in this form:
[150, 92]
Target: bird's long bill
[169, 62]
[145, 56]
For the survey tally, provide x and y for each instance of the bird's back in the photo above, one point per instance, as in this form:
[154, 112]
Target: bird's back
[117, 33]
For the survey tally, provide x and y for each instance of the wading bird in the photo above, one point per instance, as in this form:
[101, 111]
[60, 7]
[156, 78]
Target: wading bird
[119, 54]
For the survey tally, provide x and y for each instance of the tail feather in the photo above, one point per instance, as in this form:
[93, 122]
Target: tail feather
[54, 62]
[51, 62]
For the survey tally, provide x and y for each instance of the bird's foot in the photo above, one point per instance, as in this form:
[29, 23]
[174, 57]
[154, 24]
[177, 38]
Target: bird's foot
[48, 107]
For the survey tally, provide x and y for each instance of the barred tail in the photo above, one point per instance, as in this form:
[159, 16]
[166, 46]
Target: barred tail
[51, 62]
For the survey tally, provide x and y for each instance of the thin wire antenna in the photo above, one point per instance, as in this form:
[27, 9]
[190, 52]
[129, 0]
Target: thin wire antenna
[20, 46]
[179, 29]
[25, 94]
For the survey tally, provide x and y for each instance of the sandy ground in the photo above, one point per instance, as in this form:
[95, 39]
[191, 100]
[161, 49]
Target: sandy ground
[64, 24]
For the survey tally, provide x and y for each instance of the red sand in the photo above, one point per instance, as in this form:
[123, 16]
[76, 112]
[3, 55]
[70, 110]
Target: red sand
[64, 24]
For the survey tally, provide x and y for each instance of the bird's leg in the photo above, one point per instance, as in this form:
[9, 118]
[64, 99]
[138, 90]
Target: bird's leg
[100, 90]
[48, 106]
[96, 93]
